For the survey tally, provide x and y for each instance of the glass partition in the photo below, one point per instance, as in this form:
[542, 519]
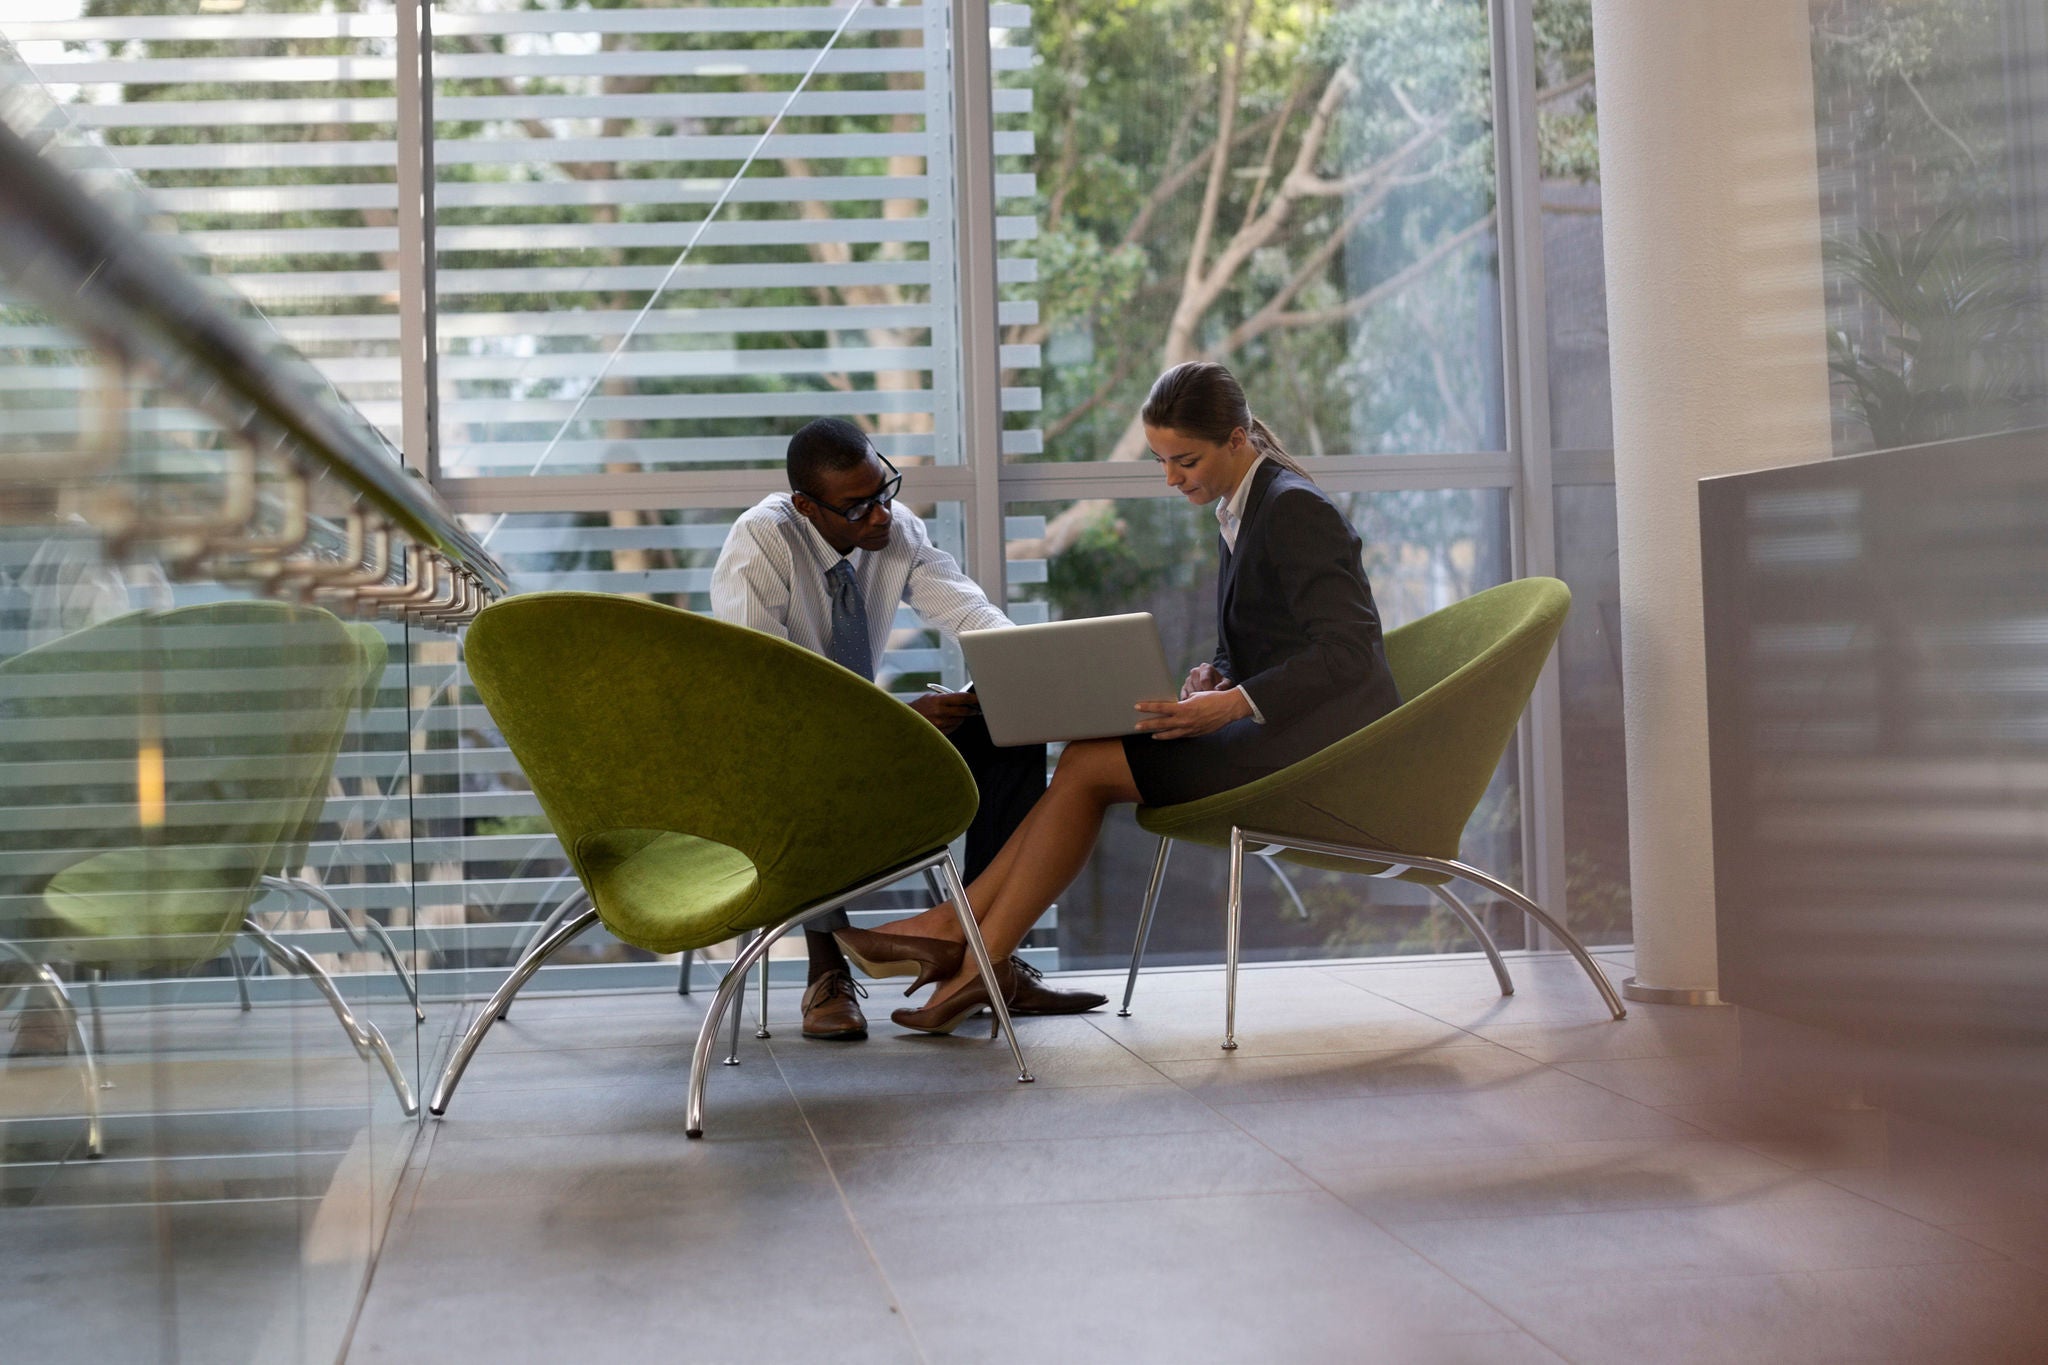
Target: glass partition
[222, 608]
[212, 1061]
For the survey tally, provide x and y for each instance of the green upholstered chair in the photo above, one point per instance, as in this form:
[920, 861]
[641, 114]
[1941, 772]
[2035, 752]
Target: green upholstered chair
[229, 716]
[707, 782]
[373, 657]
[1392, 800]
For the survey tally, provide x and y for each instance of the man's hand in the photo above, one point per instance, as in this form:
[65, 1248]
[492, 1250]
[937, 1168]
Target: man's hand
[945, 710]
[1198, 714]
[1204, 678]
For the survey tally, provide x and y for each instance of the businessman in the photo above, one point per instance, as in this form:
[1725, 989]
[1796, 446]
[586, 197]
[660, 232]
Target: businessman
[825, 566]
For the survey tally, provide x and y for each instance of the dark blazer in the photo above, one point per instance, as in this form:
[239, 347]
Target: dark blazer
[1295, 620]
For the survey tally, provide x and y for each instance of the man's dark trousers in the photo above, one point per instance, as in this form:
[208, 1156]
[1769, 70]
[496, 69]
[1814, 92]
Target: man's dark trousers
[1010, 781]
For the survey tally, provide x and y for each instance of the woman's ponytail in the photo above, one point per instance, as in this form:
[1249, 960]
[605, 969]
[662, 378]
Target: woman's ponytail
[1268, 445]
[1205, 400]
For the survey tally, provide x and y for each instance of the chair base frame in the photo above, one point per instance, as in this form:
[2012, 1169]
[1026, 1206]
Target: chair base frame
[313, 891]
[1267, 846]
[564, 926]
[367, 1038]
[88, 1067]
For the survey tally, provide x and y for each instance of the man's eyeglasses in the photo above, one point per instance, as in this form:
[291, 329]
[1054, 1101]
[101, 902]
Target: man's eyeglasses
[883, 496]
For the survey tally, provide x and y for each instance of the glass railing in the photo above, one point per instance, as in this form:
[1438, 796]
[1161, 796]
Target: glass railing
[226, 653]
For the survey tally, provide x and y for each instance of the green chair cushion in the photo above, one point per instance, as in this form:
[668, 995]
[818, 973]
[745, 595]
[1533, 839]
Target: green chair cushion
[1411, 779]
[248, 701]
[667, 890]
[632, 720]
[175, 905]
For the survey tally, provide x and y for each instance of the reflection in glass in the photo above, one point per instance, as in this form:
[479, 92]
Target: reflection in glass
[1933, 135]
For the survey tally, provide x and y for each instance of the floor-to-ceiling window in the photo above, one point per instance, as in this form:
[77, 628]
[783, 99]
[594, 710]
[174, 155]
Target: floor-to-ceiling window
[644, 243]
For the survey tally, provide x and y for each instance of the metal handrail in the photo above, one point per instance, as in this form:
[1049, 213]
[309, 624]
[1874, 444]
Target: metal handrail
[136, 299]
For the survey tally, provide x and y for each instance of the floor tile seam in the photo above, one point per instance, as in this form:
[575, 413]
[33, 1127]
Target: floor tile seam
[998, 1089]
[1961, 1230]
[1567, 1215]
[1480, 1087]
[1218, 1055]
[1100, 1201]
[1045, 1141]
[1299, 1169]
[404, 1204]
[1724, 1202]
[1095, 1022]
[167, 1204]
[1652, 1279]
[1559, 1067]
[1377, 1224]
[1422, 1011]
[1750, 1145]
[1906, 1213]
[900, 1308]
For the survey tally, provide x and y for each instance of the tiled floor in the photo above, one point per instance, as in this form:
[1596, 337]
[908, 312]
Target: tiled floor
[1398, 1165]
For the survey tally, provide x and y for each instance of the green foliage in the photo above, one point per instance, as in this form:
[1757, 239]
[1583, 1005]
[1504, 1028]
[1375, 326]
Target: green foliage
[1961, 313]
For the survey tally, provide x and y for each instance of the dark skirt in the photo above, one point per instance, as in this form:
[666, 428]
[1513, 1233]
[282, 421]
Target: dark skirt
[1171, 771]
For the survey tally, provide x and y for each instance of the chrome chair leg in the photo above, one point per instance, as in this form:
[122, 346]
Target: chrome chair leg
[376, 930]
[761, 1006]
[99, 1018]
[1394, 863]
[1233, 924]
[689, 965]
[1145, 924]
[367, 1038]
[730, 986]
[500, 1001]
[88, 1067]
[574, 904]
[971, 930]
[1271, 858]
[241, 978]
[747, 957]
[1564, 935]
[1478, 931]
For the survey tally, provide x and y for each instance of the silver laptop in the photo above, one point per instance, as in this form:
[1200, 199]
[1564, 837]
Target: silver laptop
[1068, 679]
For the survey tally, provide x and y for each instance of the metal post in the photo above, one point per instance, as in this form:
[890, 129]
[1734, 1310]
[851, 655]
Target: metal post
[1233, 916]
[1526, 343]
[974, 263]
[418, 398]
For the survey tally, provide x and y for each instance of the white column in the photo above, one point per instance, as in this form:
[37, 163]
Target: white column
[1717, 332]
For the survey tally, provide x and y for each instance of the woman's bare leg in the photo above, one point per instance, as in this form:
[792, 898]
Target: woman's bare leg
[1047, 852]
[940, 921]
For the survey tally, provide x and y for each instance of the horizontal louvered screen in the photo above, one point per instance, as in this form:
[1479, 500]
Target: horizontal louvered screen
[576, 160]
[576, 154]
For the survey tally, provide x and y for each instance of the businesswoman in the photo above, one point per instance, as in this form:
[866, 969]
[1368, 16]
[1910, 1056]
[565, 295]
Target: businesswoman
[1299, 665]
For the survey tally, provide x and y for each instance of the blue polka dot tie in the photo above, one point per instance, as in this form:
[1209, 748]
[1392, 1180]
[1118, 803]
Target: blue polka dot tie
[849, 648]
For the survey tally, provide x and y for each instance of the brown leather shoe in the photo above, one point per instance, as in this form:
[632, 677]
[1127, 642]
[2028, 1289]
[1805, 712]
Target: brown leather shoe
[1032, 996]
[831, 1013]
[970, 1000]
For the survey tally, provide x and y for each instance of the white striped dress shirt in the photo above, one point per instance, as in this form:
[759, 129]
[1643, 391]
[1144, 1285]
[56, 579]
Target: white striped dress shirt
[771, 575]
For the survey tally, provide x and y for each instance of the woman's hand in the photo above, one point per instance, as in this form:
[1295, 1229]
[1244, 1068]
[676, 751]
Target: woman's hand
[1204, 678]
[1198, 714]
